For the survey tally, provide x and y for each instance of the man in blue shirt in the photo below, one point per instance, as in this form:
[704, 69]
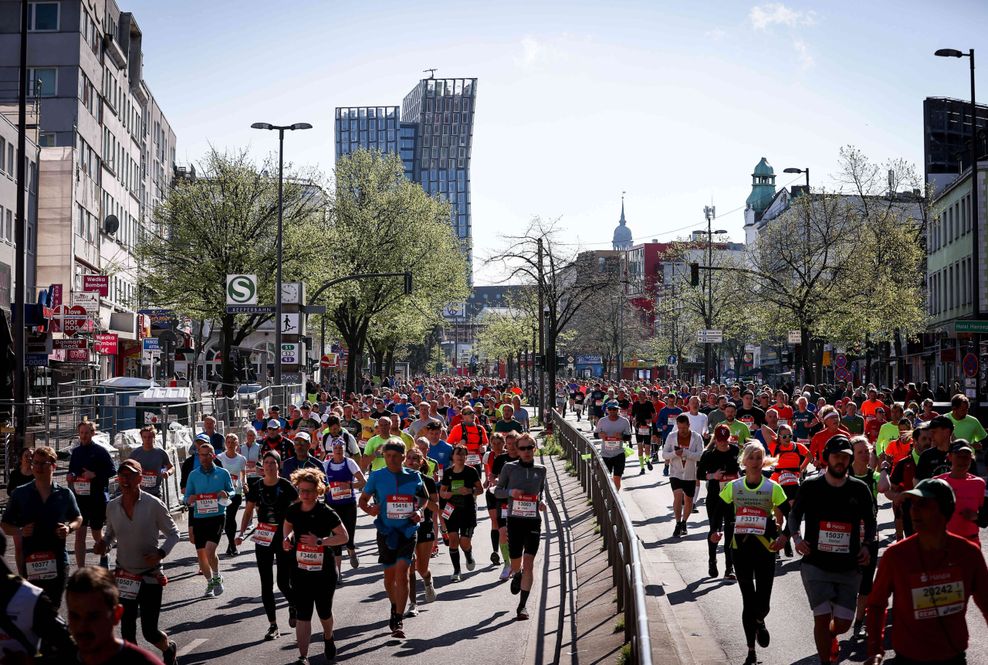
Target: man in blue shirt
[90, 470]
[439, 450]
[207, 492]
[398, 495]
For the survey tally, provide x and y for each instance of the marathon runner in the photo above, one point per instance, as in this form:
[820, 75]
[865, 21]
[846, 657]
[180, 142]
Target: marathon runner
[134, 521]
[471, 435]
[522, 485]
[311, 529]
[343, 476]
[683, 448]
[458, 504]
[643, 414]
[613, 431]
[207, 492]
[931, 577]
[398, 495]
[969, 492]
[236, 464]
[756, 539]
[861, 470]
[665, 423]
[791, 460]
[596, 397]
[719, 466]
[90, 470]
[426, 536]
[251, 451]
[494, 460]
[833, 507]
[157, 467]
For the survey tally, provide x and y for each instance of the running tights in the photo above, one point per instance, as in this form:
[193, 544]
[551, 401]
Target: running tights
[720, 517]
[754, 566]
[265, 557]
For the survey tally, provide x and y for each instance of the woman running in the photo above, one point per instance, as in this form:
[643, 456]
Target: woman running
[343, 476]
[756, 502]
[494, 459]
[270, 496]
[459, 490]
[236, 464]
[861, 469]
[311, 529]
[426, 536]
[718, 466]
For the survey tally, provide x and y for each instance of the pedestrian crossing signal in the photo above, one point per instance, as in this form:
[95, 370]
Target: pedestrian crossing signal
[694, 274]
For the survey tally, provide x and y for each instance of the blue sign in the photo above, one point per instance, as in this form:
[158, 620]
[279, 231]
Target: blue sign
[589, 360]
[36, 360]
[151, 344]
[672, 360]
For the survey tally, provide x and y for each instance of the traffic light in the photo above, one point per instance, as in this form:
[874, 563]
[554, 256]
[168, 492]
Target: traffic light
[694, 274]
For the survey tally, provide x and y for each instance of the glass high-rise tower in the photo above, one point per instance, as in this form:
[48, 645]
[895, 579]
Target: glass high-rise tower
[433, 136]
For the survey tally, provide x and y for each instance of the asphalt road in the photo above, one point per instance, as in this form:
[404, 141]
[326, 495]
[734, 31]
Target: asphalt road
[709, 610]
[471, 621]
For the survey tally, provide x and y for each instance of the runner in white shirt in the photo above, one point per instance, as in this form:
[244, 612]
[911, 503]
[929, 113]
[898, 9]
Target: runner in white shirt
[683, 448]
[236, 464]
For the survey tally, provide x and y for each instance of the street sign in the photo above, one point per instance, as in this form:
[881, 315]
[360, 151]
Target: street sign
[36, 360]
[841, 360]
[454, 310]
[106, 343]
[250, 309]
[971, 326]
[672, 360]
[241, 289]
[710, 336]
[795, 337]
[150, 344]
[96, 283]
[290, 323]
[842, 374]
[291, 353]
[291, 378]
[329, 360]
[87, 299]
[970, 365]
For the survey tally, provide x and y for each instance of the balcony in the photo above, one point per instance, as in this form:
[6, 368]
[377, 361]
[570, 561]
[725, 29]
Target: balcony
[114, 51]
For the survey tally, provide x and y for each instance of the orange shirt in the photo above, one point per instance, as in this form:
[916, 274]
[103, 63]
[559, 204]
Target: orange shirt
[818, 442]
[869, 406]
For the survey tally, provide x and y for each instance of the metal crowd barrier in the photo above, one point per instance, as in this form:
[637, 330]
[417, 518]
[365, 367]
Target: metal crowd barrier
[618, 532]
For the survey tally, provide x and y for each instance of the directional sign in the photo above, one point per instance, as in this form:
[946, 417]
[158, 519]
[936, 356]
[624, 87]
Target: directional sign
[710, 336]
[150, 344]
[241, 289]
[88, 300]
[250, 309]
[290, 323]
[291, 353]
[795, 337]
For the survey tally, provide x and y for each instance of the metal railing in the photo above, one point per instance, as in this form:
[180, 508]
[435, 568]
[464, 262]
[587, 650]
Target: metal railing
[618, 533]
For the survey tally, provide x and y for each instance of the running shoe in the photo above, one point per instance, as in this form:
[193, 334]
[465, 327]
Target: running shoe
[761, 634]
[858, 630]
[412, 611]
[399, 630]
[641, 472]
[430, 592]
[505, 572]
[272, 633]
[170, 655]
[682, 529]
[292, 617]
[665, 470]
[393, 621]
[218, 586]
[471, 564]
[302, 660]
[495, 559]
[729, 574]
[455, 577]
[752, 659]
[648, 463]
[712, 569]
[210, 589]
[522, 613]
[329, 650]
[516, 583]
[354, 561]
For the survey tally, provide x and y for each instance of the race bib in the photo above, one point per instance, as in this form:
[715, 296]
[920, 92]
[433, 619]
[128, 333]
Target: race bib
[340, 491]
[783, 421]
[264, 534]
[671, 421]
[234, 477]
[805, 442]
[750, 422]
[504, 512]
[207, 504]
[750, 521]
[644, 431]
[41, 566]
[309, 558]
[787, 478]
[128, 584]
[613, 445]
[527, 505]
[82, 487]
[149, 480]
[937, 594]
[400, 506]
[835, 537]
[447, 511]
[473, 459]
[252, 469]
[599, 402]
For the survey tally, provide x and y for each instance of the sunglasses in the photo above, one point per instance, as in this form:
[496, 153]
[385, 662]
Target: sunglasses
[526, 447]
[785, 436]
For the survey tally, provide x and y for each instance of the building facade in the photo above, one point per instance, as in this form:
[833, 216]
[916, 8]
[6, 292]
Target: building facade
[107, 157]
[433, 136]
[947, 138]
[8, 202]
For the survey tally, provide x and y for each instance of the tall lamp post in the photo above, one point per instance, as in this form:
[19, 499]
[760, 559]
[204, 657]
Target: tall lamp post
[281, 129]
[710, 212]
[975, 210]
[806, 261]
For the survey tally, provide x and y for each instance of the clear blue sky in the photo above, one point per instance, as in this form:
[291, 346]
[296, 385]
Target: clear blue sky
[673, 102]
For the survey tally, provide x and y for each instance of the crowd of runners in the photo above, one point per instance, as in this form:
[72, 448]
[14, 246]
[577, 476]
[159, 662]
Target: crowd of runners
[418, 459]
[799, 473]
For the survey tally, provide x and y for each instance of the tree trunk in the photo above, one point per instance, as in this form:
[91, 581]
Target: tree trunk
[389, 362]
[509, 370]
[900, 355]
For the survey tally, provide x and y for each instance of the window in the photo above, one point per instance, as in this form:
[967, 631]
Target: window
[43, 16]
[10, 225]
[3, 152]
[47, 140]
[42, 81]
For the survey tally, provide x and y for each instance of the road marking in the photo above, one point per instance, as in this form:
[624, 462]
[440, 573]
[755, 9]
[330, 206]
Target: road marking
[190, 647]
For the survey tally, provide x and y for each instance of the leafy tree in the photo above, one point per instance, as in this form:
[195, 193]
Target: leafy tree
[504, 335]
[225, 222]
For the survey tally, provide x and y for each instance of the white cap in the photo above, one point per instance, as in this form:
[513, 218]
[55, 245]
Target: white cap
[303, 436]
[274, 424]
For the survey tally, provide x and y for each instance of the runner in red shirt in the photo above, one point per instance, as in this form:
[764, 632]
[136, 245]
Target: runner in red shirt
[931, 575]
[969, 492]
[830, 417]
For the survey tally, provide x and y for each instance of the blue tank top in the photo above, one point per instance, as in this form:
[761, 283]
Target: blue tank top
[338, 473]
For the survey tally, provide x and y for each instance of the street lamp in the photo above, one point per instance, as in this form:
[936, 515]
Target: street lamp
[806, 249]
[281, 175]
[806, 171]
[709, 212]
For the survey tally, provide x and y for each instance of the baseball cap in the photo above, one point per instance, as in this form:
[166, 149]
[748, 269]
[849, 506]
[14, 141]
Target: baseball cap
[203, 437]
[611, 405]
[306, 405]
[303, 436]
[274, 424]
[961, 446]
[937, 489]
[838, 444]
[365, 408]
[131, 465]
[942, 422]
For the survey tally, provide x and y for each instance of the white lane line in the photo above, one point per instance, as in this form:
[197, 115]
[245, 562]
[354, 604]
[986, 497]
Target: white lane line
[190, 647]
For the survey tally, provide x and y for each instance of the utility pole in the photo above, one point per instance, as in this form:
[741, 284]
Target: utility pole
[542, 344]
[20, 262]
[709, 212]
